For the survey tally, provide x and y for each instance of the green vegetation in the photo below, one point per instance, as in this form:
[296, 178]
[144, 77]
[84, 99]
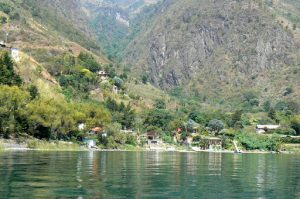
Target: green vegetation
[252, 141]
[9, 10]
[7, 72]
[53, 146]
[1, 147]
[227, 104]
[23, 110]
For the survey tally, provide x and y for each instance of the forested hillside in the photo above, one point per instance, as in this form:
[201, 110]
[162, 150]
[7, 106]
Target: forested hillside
[169, 67]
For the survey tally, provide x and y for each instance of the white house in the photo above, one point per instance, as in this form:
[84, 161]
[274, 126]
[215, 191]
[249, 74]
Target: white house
[115, 90]
[15, 54]
[260, 129]
[2, 44]
[81, 126]
[103, 75]
[90, 143]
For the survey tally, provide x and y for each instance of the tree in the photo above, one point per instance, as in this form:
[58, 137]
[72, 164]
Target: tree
[284, 130]
[12, 103]
[57, 119]
[267, 105]
[250, 95]
[7, 73]
[288, 91]
[160, 104]
[295, 124]
[89, 62]
[159, 118]
[34, 92]
[3, 20]
[118, 82]
[216, 125]
[144, 79]
[121, 113]
[94, 114]
[272, 114]
[236, 117]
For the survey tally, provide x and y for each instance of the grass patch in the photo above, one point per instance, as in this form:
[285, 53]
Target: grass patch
[128, 147]
[53, 146]
[291, 147]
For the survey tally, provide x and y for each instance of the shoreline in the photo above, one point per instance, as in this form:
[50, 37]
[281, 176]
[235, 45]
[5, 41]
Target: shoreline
[13, 146]
[147, 150]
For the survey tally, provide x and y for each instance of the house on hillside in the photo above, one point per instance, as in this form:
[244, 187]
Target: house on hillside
[90, 143]
[115, 90]
[15, 54]
[103, 75]
[211, 143]
[193, 127]
[188, 140]
[96, 130]
[153, 138]
[91, 137]
[81, 126]
[261, 129]
[2, 44]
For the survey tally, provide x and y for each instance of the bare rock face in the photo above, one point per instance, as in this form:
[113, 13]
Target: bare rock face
[226, 41]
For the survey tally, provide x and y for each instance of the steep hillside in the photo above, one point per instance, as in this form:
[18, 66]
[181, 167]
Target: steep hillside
[218, 50]
[47, 28]
[116, 22]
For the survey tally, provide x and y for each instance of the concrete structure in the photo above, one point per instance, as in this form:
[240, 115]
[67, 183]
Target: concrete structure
[81, 126]
[2, 44]
[15, 54]
[211, 143]
[115, 90]
[153, 138]
[103, 75]
[261, 129]
[90, 143]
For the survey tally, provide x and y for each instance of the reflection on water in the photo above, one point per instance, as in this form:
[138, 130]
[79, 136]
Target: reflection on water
[148, 175]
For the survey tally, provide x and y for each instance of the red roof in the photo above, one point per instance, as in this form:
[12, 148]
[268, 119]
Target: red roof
[97, 129]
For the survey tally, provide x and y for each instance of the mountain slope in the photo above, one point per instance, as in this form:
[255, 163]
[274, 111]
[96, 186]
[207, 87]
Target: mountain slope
[239, 45]
[116, 22]
[49, 27]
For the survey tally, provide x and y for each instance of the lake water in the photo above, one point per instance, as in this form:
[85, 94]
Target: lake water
[148, 175]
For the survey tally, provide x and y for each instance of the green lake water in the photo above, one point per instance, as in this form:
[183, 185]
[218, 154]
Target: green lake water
[148, 175]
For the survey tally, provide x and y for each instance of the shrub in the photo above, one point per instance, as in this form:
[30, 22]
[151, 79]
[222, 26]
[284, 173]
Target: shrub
[267, 105]
[252, 141]
[111, 143]
[144, 79]
[160, 104]
[285, 131]
[5, 8]
[295, 124]
[288, 91]
[168, 139]
[3, 20]
[8, 75]
[118, 82]
[131, 140]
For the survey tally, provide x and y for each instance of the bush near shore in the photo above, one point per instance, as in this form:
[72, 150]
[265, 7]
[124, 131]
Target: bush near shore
[53, 146]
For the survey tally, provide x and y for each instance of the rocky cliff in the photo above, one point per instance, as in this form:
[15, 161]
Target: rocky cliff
[215, 47]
